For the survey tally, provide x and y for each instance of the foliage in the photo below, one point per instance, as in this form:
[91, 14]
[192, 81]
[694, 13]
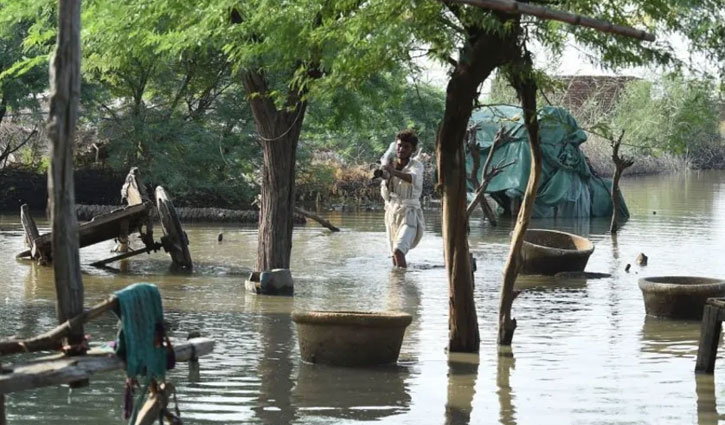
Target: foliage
[450, 27]
[162, 80]
[675, 115]
[360, 124]
[21, 81]
[662, 119]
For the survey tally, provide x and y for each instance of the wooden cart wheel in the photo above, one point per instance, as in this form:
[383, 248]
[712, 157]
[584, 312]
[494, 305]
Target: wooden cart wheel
[174, 239]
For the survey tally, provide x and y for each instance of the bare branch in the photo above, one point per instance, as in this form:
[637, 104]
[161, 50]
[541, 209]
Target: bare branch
[515, 7]
[503, 136]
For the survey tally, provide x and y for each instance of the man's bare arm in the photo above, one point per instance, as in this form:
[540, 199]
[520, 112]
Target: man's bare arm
[406, 177]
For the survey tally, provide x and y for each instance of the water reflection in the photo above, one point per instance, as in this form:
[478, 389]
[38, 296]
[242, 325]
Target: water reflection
[588, 355]
[506, 362]
[462, 374]
[707, 413]
[403, 294]
[352, 393]
[543, 283]
[669, 337]
[274, 404]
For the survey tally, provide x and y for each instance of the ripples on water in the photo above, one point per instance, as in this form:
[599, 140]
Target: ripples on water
[584, 352]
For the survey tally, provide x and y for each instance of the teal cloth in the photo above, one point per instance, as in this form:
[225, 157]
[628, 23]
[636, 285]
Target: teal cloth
[142, 321]
[567, 186]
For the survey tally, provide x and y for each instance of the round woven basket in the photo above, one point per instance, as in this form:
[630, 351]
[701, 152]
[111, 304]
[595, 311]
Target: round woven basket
[350, 338]
[679, 297]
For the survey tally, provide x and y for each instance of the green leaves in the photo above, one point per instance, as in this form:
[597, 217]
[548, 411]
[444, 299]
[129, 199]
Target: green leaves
[674, 114]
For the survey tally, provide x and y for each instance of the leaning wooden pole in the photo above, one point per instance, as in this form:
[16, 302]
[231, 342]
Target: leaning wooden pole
[65, 83]
[516, 7]
[51, 340]
[526, 87]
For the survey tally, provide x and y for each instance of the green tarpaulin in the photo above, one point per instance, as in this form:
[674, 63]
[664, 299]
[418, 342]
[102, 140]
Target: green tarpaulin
[567, 187]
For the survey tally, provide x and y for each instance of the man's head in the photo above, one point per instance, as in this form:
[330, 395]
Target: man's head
[406, 143]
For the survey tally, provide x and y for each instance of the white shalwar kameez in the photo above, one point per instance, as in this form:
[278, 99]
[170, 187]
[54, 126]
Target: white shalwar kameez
[404, 223]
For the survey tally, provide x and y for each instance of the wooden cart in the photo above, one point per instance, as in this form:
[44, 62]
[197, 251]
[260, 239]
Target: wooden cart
[118, 224]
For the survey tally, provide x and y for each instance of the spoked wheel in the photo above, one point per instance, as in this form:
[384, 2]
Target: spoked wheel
[174, 240]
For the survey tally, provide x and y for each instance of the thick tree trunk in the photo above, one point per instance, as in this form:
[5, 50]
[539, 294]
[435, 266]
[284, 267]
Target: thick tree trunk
[526, 88]
[65, 93]
[479, 59]
[279, 132]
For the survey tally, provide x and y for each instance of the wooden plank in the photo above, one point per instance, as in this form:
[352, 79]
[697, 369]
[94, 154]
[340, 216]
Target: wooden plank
[104, 227]
[717, 302]
[31, 229]
[31, 235]
[709, 339]
[57, 370]
[102, 263]
[156, 403]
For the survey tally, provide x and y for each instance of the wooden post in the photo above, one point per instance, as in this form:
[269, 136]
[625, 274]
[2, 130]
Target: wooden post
[709, 339]
[64, 98]
[620, 164]
[525, 85]
[60, 369]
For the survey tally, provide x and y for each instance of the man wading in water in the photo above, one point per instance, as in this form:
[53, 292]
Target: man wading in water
[401, 190]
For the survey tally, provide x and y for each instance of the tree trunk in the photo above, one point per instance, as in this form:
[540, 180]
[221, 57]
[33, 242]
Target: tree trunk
[279, 132]
[620, 164]
[526, 88]
[65, 93]
[3, 109]
[614, 226]
[478, 60]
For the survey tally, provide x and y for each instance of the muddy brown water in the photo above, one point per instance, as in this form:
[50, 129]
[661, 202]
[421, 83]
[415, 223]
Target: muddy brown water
[584, 351]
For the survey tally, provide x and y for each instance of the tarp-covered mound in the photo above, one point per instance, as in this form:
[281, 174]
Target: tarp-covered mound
[567, 187]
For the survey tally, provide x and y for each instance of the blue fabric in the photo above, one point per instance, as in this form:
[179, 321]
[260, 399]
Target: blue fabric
[567, 186]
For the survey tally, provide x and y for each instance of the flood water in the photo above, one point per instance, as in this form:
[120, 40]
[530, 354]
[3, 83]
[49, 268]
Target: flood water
[583, 353]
